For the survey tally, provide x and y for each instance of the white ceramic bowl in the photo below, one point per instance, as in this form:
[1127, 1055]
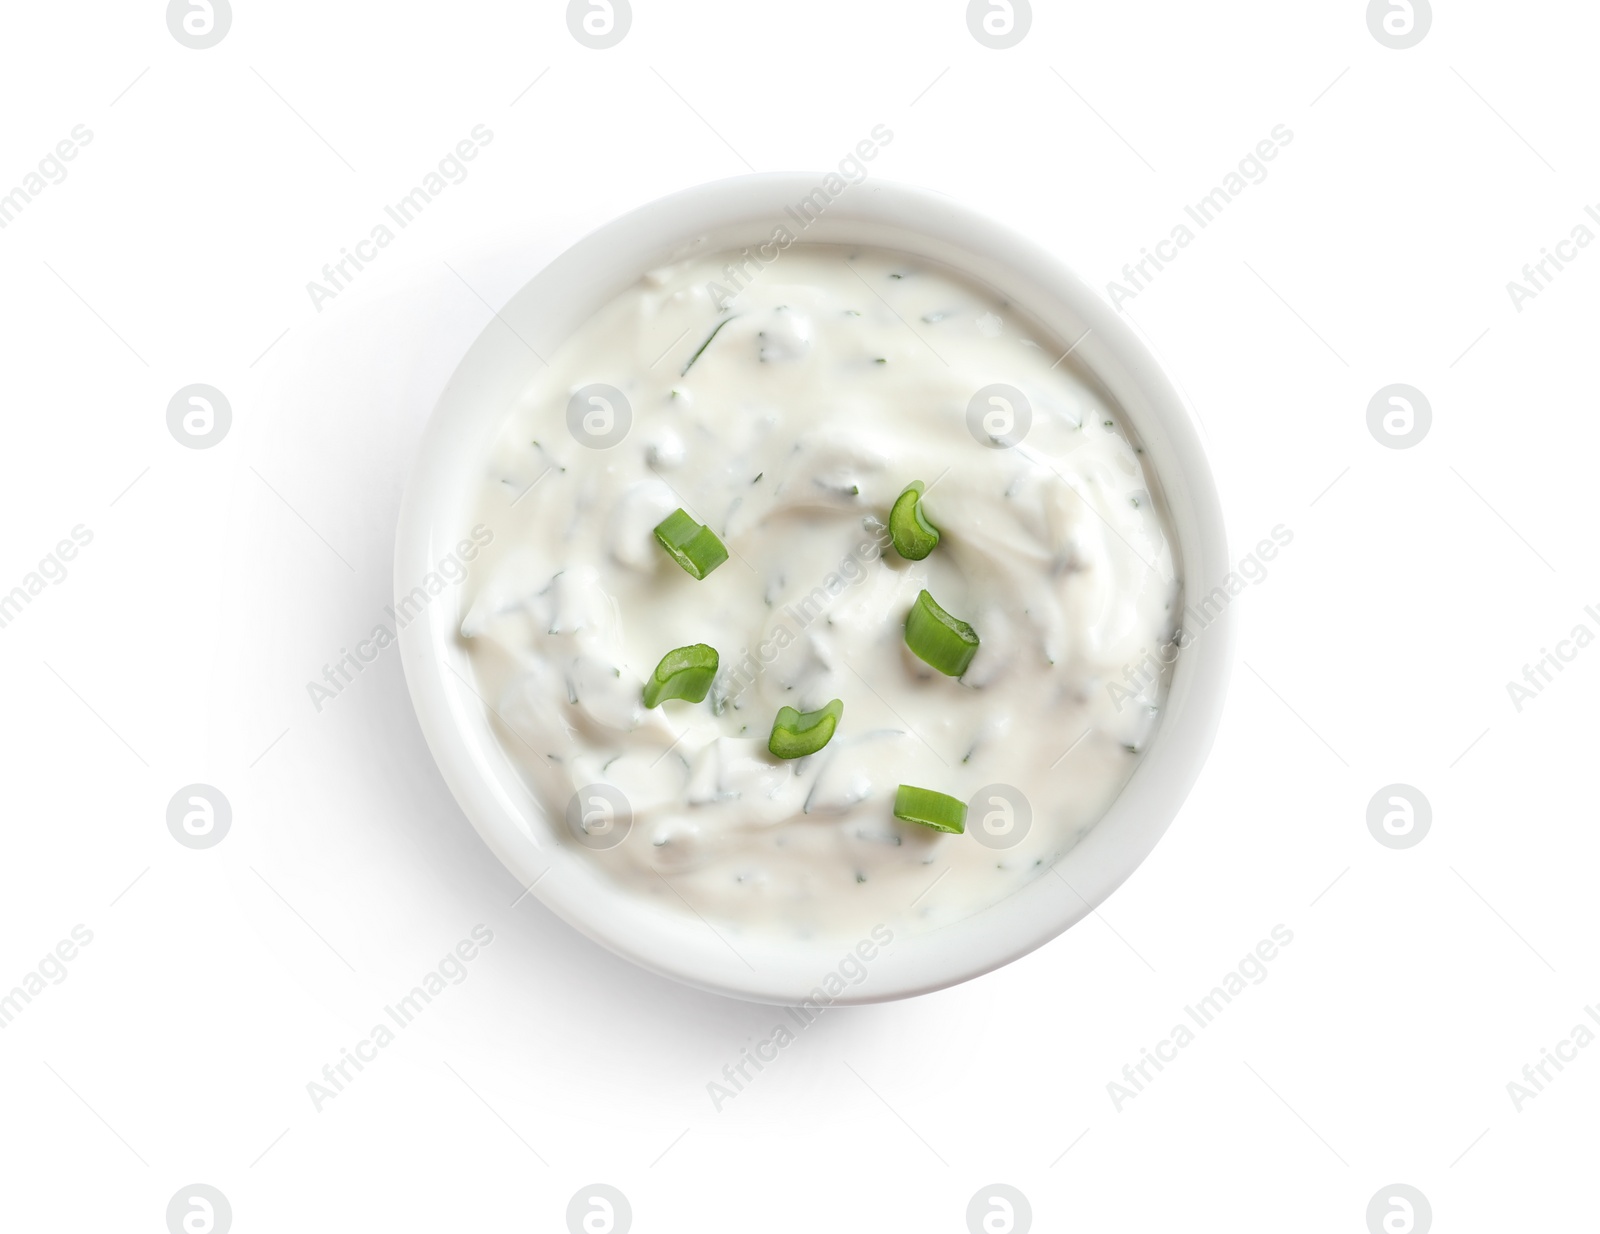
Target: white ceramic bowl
[447, 478]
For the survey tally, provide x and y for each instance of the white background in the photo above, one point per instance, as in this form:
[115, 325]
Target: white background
[219, 982]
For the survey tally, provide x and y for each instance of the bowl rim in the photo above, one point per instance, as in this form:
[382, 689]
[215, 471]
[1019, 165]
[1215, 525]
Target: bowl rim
[435, 515]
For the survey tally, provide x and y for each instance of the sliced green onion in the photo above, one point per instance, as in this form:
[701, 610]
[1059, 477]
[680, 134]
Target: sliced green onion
[931, 809]
[684, 672]
[798, 733]
[914, 536]
[939, 639]
[693, 546]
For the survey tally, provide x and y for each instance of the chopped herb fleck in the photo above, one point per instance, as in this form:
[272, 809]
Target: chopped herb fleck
[716, 331]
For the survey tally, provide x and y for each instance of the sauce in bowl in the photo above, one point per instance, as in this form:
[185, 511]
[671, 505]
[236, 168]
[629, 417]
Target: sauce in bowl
[787, 414]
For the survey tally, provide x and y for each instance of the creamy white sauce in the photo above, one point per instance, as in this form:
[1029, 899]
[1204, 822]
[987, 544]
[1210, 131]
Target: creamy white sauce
[839, 377]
